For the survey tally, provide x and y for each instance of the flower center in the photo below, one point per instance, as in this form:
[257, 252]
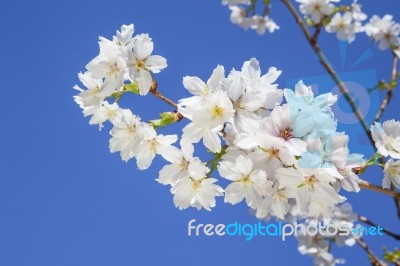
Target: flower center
[95, 91]
[286, 134]
[273, 152]
[131, 130]
[196, 185]
[393, 171]
[184, 164]
[153, 144]
[217, 112]
[112, 70]
[388, 144]
[317, 7]
[310, 181]
[110, 113]
[245, 180]
[140, 63]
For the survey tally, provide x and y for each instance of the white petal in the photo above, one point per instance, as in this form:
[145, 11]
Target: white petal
[194, 85]
[156, 63]
[144, 80]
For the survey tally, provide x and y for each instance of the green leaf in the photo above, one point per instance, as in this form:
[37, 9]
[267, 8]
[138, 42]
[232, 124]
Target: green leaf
[166, 119]
[309, 21]
[392, 84]
[267, 2]
[132, 87]
[392, 257]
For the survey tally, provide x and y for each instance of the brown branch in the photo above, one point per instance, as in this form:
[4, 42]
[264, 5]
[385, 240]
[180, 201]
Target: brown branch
[365, 185]
[156, 93]
[322, 59]
[386, 231]
[374, 259]
[389, 93]
[396, 202]
[324, 62]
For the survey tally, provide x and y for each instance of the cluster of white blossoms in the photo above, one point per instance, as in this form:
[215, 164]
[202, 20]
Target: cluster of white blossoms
[384, 30]
[387, 142]
[317, 10]
[241, 16]
[347, 24]
[278, 156]
[279, 149]
[318, 245]
[345, 21]
[124, 60]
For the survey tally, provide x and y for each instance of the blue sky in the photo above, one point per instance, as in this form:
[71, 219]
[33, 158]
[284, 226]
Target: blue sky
[65, 200]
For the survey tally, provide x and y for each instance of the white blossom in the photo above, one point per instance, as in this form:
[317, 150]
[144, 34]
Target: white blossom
[208, 119]
[350, 180]
[238, 16]
[143, 63]
[392, 174]
[183, 165]
[268, 153]
[110, 65]
[261, 24]
[102, 113]
[358, 15]
[276, 203]
[95, 92]
[154, 144]
[122, 41]
[196, 192]
[280, 124]
[199, 89]
[316, 9]
[127, 136]
[250, 93]
[246, 181]
[343, 26]
[312, 190]
[387, 138]
[384, 30]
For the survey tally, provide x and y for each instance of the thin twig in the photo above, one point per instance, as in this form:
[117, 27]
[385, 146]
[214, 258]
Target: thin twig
[374, 259]
[329, 69]
[156, 93]
[396, 201]
[386, 231]
[389, 93]
[314, 38]
[365, 185]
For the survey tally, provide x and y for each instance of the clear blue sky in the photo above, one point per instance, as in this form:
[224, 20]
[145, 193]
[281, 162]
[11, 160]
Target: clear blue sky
[65, 200]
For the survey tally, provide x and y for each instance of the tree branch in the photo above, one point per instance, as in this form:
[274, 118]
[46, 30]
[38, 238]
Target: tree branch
[322, 59]
[374, 259]
[365, 185]
[386, 231]
[155, 92]
[389, 93]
